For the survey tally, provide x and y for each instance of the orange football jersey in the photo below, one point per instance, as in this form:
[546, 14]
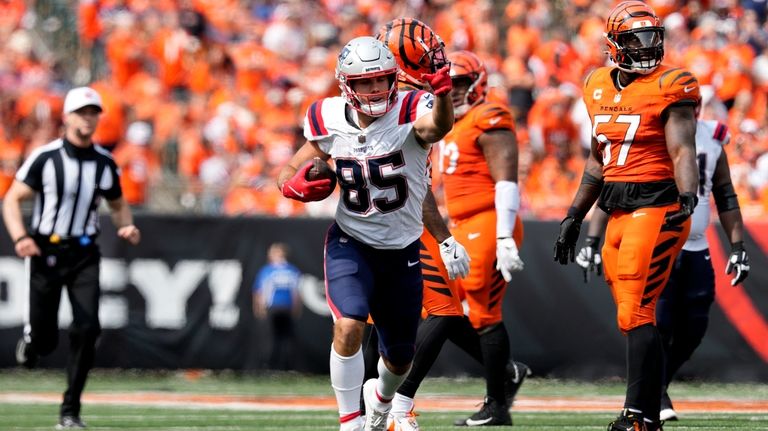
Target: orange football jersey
[468, 185]
[628, 123]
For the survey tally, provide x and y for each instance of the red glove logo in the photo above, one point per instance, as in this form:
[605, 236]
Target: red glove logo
[440, 81]
[300, 189]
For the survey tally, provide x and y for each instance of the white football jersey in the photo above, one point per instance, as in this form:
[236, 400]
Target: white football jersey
[382, 169]
[710, 138]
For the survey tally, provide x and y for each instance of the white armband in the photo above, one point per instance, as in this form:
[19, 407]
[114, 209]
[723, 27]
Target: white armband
[507, 204]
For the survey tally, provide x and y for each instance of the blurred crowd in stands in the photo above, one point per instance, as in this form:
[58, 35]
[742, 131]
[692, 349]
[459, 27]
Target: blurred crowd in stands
[209, 95]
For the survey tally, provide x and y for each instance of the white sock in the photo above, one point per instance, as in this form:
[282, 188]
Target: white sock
[401, 405]
[388, 382]
[347, 374]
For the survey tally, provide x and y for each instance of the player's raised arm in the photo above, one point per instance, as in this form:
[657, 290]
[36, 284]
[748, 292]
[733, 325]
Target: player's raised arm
[431, 128]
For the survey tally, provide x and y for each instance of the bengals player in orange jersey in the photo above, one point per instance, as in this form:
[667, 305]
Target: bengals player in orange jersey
[478, 160]
[643, 167]
[416, 48]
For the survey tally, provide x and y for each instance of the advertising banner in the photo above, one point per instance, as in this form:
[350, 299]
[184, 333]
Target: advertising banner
[183, 299]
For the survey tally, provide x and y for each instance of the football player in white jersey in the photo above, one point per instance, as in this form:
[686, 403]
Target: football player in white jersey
[682, 313]
[379, 139]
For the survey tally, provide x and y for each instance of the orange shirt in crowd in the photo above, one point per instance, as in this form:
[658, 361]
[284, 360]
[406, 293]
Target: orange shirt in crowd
[124, 55]
[144, 93]
[138, 165]
[548, 187]
[11, 12]
[192, 152]
[89, 24]
[112, 123]
[701, 62]
[38, 102]
[559, 135]
[251, 63]
[733, 70]
[169, 49]
[522, 40]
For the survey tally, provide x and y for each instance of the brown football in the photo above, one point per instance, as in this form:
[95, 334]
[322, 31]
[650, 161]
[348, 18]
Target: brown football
[321, 170]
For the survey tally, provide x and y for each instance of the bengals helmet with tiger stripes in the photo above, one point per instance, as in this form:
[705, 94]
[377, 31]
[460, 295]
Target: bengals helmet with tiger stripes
[635, 37]
[466, 65]
[417, 48]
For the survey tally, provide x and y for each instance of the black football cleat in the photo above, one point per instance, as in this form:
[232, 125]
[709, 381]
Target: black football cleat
[492, 413]
[628, 421]
[70, 422]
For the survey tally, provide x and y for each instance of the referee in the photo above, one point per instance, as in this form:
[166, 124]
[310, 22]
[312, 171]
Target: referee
[67, 178]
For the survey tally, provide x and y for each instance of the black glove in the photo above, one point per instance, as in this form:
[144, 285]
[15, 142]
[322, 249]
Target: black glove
[688, 202]
[565, 247]
[738, 261]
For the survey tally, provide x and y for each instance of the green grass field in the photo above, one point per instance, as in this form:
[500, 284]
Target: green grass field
[42, 415]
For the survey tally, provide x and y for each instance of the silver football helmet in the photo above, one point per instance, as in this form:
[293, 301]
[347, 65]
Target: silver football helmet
[362, 58]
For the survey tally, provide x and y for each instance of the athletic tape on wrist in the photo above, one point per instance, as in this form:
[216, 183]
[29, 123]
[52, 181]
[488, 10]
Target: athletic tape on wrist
[507, 204]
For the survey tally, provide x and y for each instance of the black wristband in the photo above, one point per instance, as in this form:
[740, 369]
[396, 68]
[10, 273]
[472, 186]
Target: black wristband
[25, 236]
[592, 241]
[737, 246]
[576, 213]
[725, 198]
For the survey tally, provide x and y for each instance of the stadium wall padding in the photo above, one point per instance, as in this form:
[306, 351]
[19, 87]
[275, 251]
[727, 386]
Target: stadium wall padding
[182, 299]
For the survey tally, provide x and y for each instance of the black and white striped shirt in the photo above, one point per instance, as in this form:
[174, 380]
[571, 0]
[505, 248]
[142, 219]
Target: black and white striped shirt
[69, 182]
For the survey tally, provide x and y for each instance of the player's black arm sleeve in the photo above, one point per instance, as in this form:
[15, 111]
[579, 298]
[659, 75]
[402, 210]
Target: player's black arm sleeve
[589, 189]
[432, 219]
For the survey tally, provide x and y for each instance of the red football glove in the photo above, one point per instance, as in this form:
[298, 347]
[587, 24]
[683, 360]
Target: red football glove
[306, 191]
[440, 81]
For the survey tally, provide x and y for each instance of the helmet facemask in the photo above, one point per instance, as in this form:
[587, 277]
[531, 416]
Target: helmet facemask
[434, 58]
[637, 51]
[418, 49]
[462, 105]
[467, 71]
[371, 104]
